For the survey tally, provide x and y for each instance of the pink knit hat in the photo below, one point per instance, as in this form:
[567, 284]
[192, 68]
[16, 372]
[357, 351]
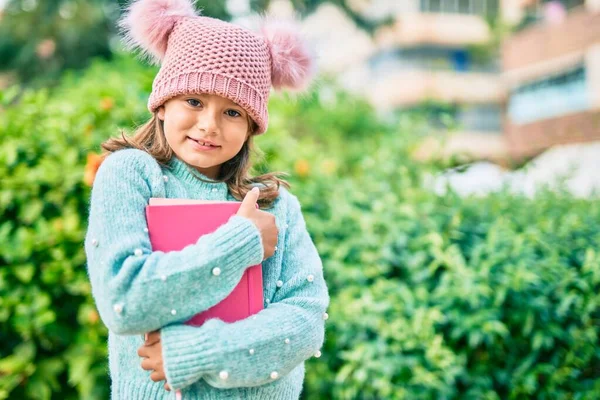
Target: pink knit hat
[206, 55]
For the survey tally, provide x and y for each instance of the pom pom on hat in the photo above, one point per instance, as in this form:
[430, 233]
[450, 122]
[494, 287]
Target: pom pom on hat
[147, 24]
[292, 64]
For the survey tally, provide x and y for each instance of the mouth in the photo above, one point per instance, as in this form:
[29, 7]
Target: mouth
[204, 144]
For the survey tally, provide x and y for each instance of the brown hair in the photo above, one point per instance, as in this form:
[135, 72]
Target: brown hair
[150, 137]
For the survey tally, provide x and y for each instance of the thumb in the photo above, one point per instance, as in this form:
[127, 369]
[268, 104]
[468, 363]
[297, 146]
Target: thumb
[249, 202]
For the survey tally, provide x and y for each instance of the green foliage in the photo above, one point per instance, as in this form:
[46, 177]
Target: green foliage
[68, 34]
[432, 297]
[457, 298]
[52, 340]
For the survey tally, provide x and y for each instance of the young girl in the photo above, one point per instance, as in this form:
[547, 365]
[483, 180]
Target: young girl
[208, 101]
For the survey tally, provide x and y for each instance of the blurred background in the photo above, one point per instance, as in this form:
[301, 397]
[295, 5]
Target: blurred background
[447, 159]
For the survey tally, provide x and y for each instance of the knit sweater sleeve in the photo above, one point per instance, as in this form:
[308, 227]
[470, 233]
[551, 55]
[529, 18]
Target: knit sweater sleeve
[138, 290]
[267, 346]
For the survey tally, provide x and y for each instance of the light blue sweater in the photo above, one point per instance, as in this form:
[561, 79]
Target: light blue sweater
[137, 290]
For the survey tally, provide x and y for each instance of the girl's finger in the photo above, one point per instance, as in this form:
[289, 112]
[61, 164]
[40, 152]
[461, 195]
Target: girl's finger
[143, 351]
[167, 387]
[157, 376]
[148, 364]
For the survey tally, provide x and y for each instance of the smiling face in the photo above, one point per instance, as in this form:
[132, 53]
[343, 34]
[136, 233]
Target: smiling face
[204, 130]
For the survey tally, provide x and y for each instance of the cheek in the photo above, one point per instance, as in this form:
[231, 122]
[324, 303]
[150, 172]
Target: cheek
[170, 131]
[177, 124]
[238, 138]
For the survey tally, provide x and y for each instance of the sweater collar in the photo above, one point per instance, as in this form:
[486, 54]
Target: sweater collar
[191, 175]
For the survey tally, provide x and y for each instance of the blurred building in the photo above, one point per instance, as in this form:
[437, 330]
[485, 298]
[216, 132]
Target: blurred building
[542, 89]
[433, 56]
[428, 55]
[552, 74]
[423, 56]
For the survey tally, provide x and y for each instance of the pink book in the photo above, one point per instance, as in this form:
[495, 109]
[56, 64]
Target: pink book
[176, 223]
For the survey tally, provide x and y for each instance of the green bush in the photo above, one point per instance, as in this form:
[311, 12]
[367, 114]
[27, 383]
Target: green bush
[451, 298]
[433, 297]
[52, 339]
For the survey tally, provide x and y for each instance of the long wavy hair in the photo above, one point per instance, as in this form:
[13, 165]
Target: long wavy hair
[150, 137]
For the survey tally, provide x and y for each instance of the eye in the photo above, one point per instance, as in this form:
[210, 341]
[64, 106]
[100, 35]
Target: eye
[233, 113]
[194, 102]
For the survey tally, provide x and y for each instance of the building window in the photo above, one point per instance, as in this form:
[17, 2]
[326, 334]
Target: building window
[478, 7]
[534, 11]
[537, 6]
[429, 58]
[550, 97]
[483, 118]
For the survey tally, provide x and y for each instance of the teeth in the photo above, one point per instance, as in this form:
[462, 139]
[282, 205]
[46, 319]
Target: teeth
[199, 142]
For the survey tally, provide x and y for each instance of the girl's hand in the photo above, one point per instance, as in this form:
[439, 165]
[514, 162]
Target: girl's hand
[264, 221]
[151, 351]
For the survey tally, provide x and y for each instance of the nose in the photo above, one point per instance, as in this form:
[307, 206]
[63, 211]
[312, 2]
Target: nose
[208, 121]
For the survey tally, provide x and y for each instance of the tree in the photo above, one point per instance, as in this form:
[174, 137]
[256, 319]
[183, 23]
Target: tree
[67, 34]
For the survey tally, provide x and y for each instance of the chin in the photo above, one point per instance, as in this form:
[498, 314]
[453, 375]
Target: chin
[197, 161]
[193, 161]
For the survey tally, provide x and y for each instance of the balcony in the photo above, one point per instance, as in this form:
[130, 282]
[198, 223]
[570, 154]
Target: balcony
[532, 138]
[414, 29]
[407, 88]
[545, 49]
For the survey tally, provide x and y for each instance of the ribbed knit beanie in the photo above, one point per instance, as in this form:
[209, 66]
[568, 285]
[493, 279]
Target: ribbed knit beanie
[199, 54]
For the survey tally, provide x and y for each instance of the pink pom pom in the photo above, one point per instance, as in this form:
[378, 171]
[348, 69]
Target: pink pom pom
[147, 24]
[292, 64]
